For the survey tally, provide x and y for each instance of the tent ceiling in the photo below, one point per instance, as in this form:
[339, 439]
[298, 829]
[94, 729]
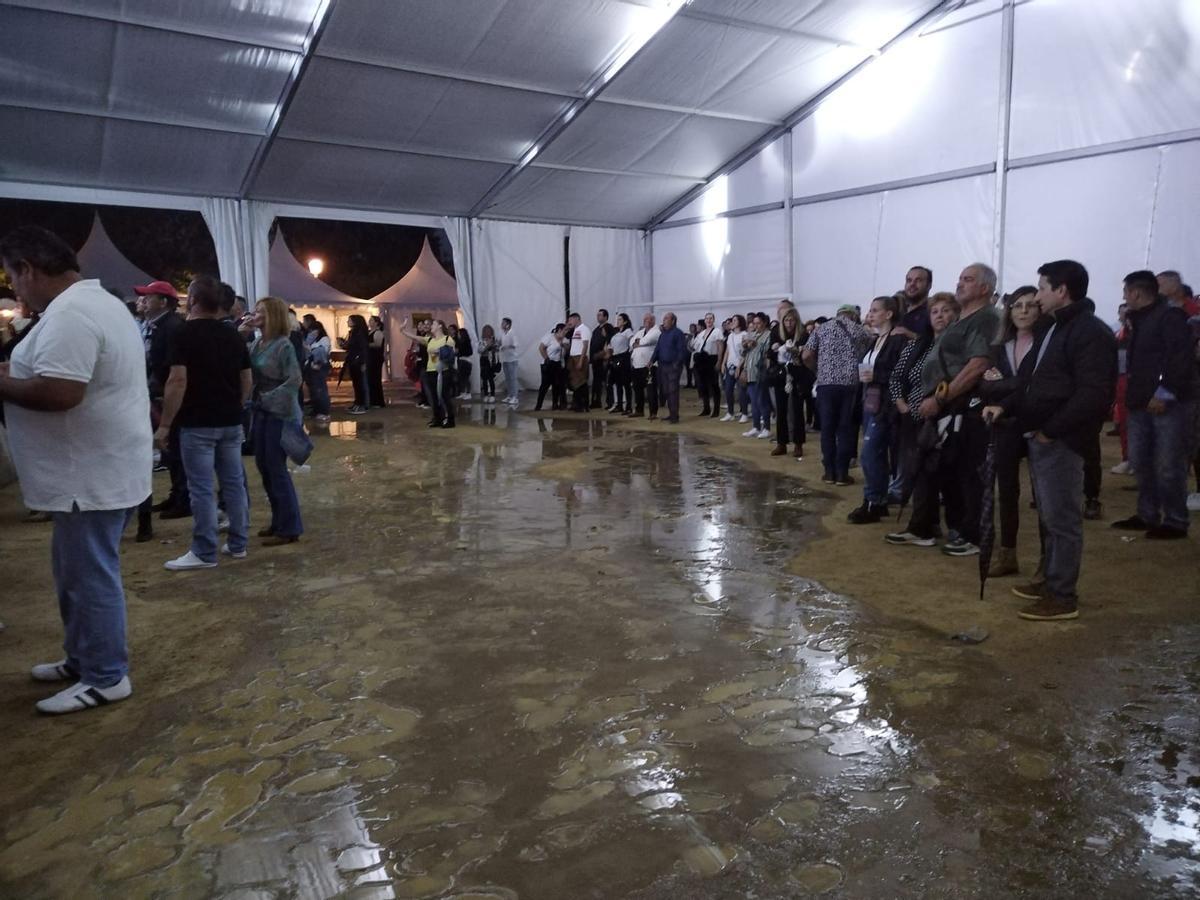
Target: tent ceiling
[414, 105]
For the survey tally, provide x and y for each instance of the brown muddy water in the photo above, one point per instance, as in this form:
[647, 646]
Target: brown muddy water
[555, 658]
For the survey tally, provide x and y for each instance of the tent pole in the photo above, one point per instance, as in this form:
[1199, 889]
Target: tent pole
[1003, 128]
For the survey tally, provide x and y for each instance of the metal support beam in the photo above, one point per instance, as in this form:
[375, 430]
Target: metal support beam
[68, 110]
[899, 184]
[599, 82]
[775, 30]
[1003, 129]
[799, 115]
[321, 19]
[1155, 140]
[728, 214]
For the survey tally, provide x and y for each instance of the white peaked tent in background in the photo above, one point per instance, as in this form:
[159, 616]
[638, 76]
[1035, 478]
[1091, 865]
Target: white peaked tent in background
[426, 288]
[679, 154]
[293, 283]
[100, 258]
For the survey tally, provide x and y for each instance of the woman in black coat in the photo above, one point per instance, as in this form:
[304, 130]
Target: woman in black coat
[357, 345]
[879, 413]
[1021, 313]
[376, 347]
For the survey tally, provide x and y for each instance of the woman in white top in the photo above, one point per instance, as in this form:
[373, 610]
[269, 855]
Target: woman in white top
[707, 348]
[551, 349]
[732, 367]
[620, 370]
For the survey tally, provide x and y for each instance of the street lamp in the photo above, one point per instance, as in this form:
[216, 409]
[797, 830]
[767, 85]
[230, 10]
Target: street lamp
[316, 266]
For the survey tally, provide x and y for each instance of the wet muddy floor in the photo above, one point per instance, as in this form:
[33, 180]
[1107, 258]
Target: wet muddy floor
[570, 658]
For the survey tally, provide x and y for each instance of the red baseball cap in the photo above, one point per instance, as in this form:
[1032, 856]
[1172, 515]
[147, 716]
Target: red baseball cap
[157, 287]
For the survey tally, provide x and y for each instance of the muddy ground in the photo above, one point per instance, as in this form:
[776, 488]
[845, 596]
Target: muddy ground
[575, 657]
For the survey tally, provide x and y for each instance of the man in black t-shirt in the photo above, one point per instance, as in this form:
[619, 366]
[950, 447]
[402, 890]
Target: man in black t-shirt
[208, 386]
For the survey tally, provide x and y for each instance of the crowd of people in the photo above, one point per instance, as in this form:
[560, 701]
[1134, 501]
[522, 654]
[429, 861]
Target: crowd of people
[92, 384]
[921, 387]
[937, 397]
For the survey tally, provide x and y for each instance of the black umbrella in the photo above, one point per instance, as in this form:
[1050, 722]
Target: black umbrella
[987, 525]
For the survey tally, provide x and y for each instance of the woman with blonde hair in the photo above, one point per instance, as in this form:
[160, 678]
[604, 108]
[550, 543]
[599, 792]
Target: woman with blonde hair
[276, 406]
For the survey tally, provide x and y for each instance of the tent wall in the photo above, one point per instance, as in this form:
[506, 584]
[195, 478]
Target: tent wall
[928, 157]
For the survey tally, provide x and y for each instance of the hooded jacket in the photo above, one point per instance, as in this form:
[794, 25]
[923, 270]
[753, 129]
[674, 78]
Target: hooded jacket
[1162, 352]
[1072, 377]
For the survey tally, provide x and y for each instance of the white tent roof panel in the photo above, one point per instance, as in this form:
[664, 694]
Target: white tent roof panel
[372, 179]
[584, 197]
[279, 23]
[106, 68]
[559, 45]
[416, 112]
[53, 147]
[867, 23]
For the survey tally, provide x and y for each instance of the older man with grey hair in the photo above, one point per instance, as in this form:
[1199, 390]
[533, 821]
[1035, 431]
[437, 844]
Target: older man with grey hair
[950, 380]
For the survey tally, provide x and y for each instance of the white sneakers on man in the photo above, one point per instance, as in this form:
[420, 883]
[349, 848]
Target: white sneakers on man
[764, 434]
[55, 671]
[189, 560]
[1124, 467]
[743, 419]
[753, 432]
[82, 696]
[240, 554]
[727, 418]
[1193, 502]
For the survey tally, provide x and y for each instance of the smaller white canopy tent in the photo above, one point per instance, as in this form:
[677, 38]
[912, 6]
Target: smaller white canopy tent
[294, 284]
[426, 288]
[100, 258]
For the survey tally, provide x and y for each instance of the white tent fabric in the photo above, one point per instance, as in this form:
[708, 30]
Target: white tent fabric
[100, 258]
[610, 269]
[519, 275]
[293, 283]
[907, 163]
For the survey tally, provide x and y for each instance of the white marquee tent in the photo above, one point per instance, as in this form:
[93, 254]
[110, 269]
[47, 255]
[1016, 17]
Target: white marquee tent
[706, 154]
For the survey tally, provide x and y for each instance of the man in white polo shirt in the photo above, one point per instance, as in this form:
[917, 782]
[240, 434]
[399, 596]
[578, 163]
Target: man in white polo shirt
[78, 416]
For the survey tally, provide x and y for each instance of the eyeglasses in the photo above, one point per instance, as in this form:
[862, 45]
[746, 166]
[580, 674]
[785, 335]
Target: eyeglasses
[1028, 304]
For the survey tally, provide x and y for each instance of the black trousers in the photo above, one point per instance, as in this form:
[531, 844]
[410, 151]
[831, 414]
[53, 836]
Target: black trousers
[708, 383]
[375, 377]
[619, 370]
[645, 388]
[552, 372]
[601, 389]
[970, 444]
[487, 380]
[789, 415]
[358, 378]
[173, 459]
[1011, 448]
[464, 375]
[442, 390]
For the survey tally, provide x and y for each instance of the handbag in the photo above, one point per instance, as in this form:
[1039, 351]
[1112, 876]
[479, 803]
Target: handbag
[296, 443]
[776, 374]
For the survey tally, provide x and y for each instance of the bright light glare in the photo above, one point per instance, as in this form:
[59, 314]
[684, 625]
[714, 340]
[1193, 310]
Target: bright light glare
[316, 266]
[714, 232]
[876, 101]
[651, 20]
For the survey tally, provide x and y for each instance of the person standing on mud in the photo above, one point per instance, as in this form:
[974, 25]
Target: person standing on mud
[78, 415]
[671, 355]
[598, 348]
[641, 360]
[1060, 408]
[577, 362]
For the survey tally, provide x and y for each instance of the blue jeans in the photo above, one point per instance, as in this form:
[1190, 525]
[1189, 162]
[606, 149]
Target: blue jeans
[512, 387]
[1057, 474]
[1160, 449]
[206, 449]
[735, 389]
[85, 557]
[835, 407]
[272, 466]
[874, 456]
[318, 389]
[760, 406]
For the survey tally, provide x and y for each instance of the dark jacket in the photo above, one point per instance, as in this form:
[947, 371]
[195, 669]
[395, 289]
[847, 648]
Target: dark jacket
[358, 344]
[672, 347]
[1161, 351]
[1070, 377]
[885, 362]
[462, 344]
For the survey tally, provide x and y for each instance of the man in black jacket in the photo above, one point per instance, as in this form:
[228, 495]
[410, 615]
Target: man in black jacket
[159, 328]
[1160, 397]
[1062, 406]
[601, 335]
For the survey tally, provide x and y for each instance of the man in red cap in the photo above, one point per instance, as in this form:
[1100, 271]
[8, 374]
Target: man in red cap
[159, 327]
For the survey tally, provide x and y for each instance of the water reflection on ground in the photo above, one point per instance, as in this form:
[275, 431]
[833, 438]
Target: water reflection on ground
[548, 658]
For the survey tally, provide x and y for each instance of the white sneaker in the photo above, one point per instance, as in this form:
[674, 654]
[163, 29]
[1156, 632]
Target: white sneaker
[189, 560]
[1125, 467]
[1193, 502]
[765, 433]
[222, 522]
[241, 554]
[753, 432]
[82, 696]
[55, 671]
[301, 469]
[466, 395]
[727, 418]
